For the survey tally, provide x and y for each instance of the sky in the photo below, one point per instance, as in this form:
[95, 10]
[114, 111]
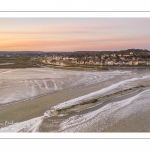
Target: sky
[74, 34]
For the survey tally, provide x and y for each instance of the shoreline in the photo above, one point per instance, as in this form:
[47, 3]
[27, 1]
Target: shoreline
[84, 67]
[36, 107]
[29, 109]
[85, 111]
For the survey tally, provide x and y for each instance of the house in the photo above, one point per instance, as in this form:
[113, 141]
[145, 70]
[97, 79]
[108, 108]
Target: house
[130, 62]
[102, 62]
[110, 62]
[105, 62]
[91, 62]
[113, 55]
[131, 53]
[81, 62]
[141, 62]
[148, 62]
[119, 63]
[126, 62]
[44, 61]
[122, 58]
[103, 56]
[65, 58]
[97, 63]
[135, 62]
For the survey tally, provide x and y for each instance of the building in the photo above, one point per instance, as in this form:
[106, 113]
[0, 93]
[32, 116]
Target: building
[126, 62]
[110, 62]
[141, 62]
[148, 62]
[130, 62]
[135, 62]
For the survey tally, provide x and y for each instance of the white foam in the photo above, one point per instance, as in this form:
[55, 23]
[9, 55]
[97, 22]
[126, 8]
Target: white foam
[145, 77]
[77, 122]
[21, 84]
[55, 86]
[25, 126]
[80, 122]
[91, 95]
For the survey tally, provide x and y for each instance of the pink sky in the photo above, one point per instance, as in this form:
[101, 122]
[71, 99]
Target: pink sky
[66, 34]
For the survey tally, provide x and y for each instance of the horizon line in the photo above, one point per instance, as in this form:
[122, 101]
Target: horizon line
[74, 51]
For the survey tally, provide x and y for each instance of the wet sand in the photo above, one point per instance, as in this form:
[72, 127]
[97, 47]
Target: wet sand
[34, 108]
[137, 121]
[52, 124]
[113, 112]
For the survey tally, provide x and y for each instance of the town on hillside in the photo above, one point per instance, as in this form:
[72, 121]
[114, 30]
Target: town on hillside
[109, 58]
[129, 57]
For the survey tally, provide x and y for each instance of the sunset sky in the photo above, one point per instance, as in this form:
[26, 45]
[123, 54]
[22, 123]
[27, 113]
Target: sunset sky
[66, 34]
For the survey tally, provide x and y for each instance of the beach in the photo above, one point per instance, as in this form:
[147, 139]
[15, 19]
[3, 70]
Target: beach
[98, 101]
